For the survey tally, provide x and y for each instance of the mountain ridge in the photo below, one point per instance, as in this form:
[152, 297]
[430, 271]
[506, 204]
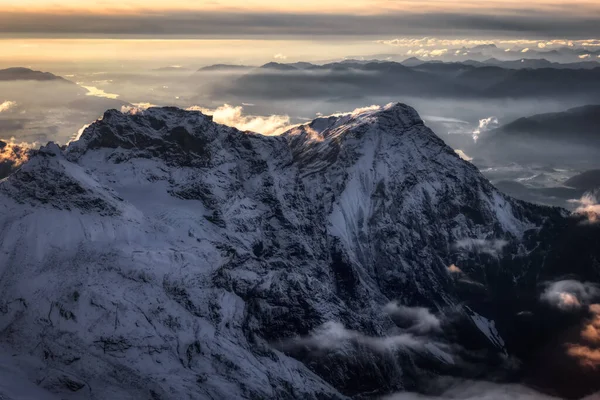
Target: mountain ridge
[170, 256]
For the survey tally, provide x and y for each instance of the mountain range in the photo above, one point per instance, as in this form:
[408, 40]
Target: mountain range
[164, 256]
[354, 79]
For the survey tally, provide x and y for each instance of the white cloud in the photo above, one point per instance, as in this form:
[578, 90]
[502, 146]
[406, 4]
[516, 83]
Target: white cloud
[485, 124]
[7, 105]
[438, 52]
[334, 336]
[463, 155]
[477, 390]
[570, 294]
[418, 319]
[491, 247]
[280, 56]
[76, 136]
[525, 50]
[234, 116]
[585, 56]
[94, 91]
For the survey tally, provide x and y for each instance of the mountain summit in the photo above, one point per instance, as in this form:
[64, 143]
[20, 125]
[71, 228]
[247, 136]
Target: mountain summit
[164, 256]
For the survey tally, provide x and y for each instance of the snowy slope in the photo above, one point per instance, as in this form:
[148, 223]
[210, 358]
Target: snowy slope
[164, 256]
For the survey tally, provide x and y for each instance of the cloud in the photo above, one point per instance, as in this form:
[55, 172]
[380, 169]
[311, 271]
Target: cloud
[417, 319]
[588, 207]
[334, 336]
[458, 44]
[584, 56]
[485, 124]
[234, 116]
[438, 52]
[94, 91]
[7, 105]
[15, 154]
[280, 56]
[476, 390]
[453, 269]
[76, 136]
[463, 155]
[233, 24]
[588, 352]
[570, 294]
[491, 247]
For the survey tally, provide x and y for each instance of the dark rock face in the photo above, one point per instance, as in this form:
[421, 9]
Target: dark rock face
[209, 262]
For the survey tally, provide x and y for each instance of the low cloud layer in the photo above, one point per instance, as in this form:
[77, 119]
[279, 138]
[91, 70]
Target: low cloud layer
[94, 91]
[474, 390]
[432, 42]
[415, 336]
[333, 335]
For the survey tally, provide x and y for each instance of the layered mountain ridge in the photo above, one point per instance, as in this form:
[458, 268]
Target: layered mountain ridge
[164, 256]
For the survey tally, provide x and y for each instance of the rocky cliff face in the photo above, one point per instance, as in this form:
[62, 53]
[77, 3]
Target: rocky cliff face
[164, 256]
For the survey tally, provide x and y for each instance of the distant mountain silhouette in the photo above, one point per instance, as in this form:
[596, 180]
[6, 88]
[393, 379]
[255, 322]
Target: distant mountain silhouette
[570, 139]
[588, 180]
[413, 77]
[26, 74]
[225, 67]
[580, 122]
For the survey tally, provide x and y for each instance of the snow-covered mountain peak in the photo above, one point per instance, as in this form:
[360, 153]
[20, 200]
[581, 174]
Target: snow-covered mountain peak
[172, 252]
[389, 118]
[164, 132]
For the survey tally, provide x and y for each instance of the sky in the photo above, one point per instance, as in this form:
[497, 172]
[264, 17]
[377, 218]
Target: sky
[43, 32]
[308, 18]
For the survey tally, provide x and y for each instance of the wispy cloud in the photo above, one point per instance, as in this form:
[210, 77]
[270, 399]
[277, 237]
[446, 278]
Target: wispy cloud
[485, 124]
[463, 155]
[415, 319]
[476, 390]
[234, 116]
